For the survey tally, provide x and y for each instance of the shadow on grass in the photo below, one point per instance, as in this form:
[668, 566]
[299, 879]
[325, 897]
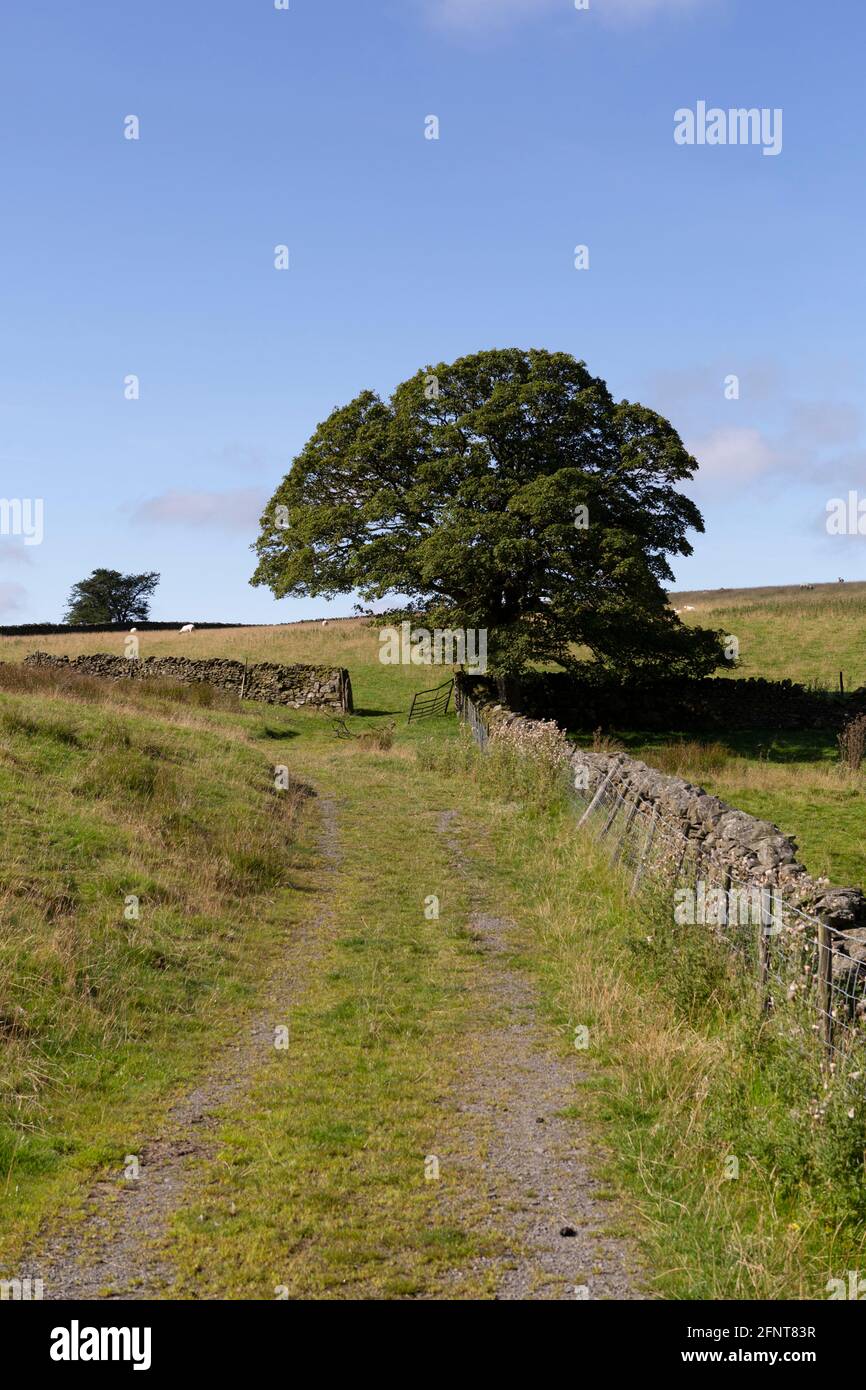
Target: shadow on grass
[771, 745]
[373, 713]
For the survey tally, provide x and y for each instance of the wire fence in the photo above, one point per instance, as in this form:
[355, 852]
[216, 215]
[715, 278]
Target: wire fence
[809, 975]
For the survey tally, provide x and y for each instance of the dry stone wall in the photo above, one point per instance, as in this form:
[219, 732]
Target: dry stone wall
[726, 843]
[321, 686]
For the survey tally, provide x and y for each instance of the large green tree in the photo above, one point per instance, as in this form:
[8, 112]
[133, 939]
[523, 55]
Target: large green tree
[506, 491]
[108, 596]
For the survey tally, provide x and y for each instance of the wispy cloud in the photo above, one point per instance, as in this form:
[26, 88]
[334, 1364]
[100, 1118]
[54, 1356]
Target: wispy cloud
[13, 597]
[733, 456]
[235, 510]
[15, 553]
[490, 14]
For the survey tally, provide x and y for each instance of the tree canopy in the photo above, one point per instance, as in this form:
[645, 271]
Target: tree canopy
[108, 596]
[507, 491]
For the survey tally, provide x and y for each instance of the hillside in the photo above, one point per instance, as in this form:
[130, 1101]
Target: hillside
[792, 632]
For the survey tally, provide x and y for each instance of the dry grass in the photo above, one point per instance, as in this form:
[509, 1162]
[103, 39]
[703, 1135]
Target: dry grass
[341, 643]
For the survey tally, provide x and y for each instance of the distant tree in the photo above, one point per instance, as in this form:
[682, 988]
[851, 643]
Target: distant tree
[108, 596]
[506, 491]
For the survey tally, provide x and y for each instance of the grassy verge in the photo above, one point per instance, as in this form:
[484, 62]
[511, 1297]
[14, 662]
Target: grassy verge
[685, 1077]
[149, 871]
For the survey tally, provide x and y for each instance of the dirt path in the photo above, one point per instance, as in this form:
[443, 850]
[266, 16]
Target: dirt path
[517, 1175]
[537, 1185]
[115, 1250]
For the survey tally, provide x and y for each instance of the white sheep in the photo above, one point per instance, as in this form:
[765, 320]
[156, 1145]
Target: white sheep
[324, 622]
[689, 608]
[133, 629]
[187, 627]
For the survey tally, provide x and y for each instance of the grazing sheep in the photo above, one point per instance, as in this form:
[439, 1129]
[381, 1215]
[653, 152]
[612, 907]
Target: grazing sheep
[324, 622]
[187, 627]
[133, 629]
[689, 608]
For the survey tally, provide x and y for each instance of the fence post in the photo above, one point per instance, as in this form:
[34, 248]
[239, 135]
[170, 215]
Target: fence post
[597, 798]
[641, 863]
[618, 847]
[764, 954]
[613, 814]
[825, 985]
[682, 859]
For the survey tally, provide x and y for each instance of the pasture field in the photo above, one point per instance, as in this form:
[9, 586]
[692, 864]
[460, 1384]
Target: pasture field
[798, 633]
[304, 911]
[349, 642]
[792, 780]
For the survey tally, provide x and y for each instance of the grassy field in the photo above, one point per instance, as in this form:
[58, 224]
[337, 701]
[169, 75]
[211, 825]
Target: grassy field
[789, 633]
[316, 1185]
[793, 780]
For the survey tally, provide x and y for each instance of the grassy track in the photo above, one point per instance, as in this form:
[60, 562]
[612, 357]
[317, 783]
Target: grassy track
[326, 1169]
[314, 1183]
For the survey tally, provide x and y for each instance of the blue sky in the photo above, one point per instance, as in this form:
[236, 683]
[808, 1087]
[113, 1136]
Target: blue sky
[306, 127]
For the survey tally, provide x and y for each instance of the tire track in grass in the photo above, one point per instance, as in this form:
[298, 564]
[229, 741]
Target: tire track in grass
[117, 1250]
[518, 1142]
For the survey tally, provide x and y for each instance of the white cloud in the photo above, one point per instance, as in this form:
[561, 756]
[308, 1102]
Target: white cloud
[733, 456]
[237, 510]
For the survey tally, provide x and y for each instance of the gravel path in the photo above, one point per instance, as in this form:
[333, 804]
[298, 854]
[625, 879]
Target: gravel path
[532, 1178]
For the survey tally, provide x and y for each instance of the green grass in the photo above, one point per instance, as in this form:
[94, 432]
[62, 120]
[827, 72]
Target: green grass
[378, 689]
[683, 1072]
[793, 780]
[789, 633]
[318, 1186]
[325, 1171]
[103, 1015]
